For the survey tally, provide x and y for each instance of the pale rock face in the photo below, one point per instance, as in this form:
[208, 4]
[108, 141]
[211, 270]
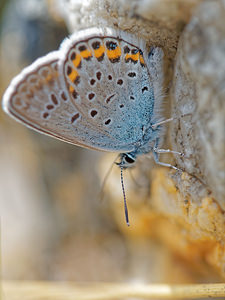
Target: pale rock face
[198, 89]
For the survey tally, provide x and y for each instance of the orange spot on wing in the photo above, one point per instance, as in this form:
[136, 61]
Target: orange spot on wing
[98, 52]
[71, 89]
[86, 53]
[115, 53]
[131, 57]
[73, 75]
[77, 60]
[135, 58]
[17, 101]
[48, 77]
[142, 60]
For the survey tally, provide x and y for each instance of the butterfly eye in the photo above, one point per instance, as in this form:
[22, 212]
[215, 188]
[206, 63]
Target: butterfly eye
[129, 159]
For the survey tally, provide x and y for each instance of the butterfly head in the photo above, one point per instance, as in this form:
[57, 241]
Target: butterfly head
[127, 160]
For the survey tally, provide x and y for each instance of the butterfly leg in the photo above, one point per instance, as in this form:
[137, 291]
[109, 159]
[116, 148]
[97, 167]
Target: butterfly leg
[167, 151]
[156, 153]
[156, 158]
[154, 126]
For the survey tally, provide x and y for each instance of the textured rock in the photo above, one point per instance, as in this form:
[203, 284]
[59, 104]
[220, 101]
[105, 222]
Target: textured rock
[197, 229]
[198, 89]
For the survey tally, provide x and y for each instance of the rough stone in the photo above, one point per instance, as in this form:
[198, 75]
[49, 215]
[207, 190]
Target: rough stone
[198, 90]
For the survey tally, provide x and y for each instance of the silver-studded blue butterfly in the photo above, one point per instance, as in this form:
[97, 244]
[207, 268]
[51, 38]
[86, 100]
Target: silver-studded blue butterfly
[101, 90]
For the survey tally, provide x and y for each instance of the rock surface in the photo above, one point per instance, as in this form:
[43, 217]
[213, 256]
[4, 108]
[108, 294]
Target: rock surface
[198, 89]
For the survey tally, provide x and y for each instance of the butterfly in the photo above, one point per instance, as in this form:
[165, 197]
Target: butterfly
[101, 90]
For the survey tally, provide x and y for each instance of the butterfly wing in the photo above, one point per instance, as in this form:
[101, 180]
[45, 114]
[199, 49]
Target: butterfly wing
[35, 98]
[94, 92]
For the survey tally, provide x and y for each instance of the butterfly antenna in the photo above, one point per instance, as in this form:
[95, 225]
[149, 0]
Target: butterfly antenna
[106, 178]
[124, 197]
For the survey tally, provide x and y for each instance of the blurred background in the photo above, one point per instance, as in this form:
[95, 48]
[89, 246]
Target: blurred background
[54, 226]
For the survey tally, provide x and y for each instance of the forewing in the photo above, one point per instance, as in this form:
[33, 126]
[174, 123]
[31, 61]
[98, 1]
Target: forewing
[109, 82]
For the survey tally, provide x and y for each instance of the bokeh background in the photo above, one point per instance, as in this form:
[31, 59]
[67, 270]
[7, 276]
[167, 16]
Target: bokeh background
[54, 223]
